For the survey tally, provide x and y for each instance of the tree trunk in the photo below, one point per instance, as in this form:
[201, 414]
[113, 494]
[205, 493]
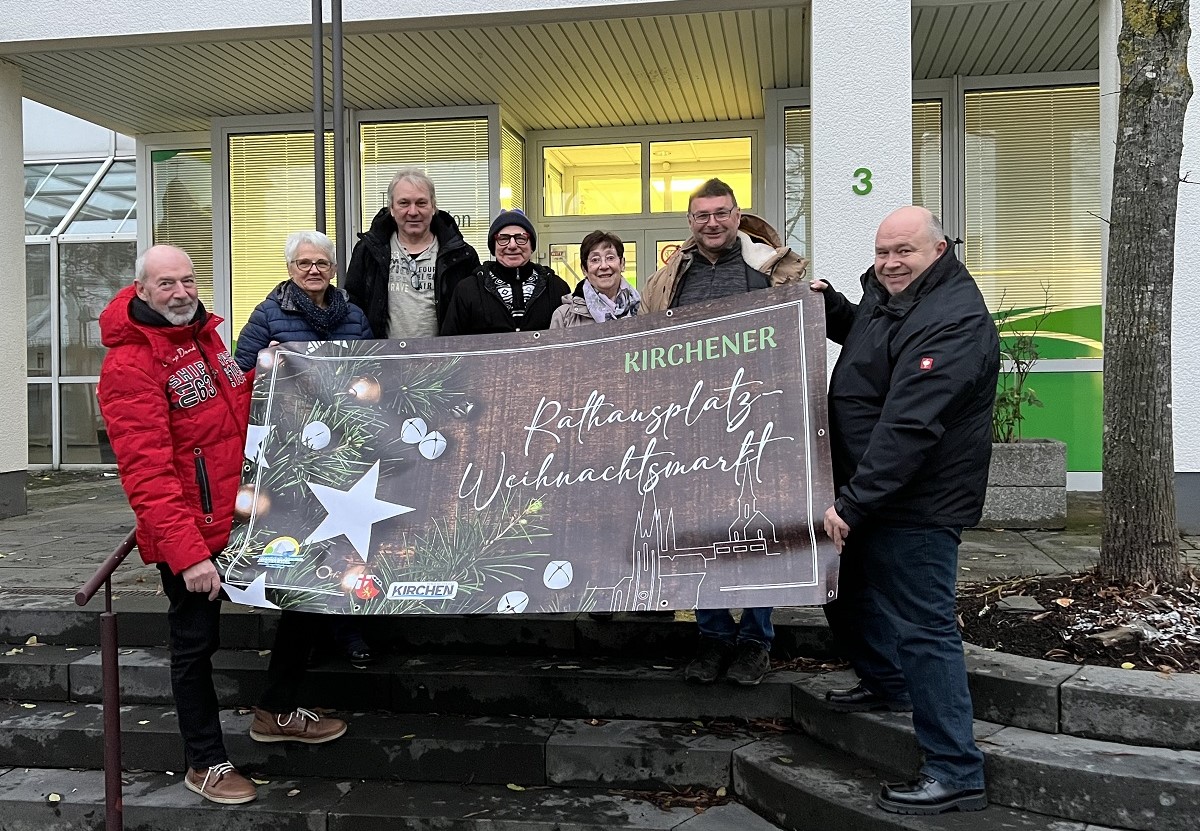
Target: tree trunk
[1141, 540]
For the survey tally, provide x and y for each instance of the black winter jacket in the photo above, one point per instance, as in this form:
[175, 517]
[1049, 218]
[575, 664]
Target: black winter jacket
[910, 399]
[367, 275]
[476, 308]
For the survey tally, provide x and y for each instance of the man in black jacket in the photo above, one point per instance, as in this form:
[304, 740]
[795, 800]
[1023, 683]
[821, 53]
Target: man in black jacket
[910, 405]
[404, 269]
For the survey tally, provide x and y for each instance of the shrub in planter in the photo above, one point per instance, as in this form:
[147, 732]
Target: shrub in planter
[1027, 480]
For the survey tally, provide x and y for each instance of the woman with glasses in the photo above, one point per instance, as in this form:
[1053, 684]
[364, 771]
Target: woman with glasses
[509, 293]
[604, 294]
[304, 307]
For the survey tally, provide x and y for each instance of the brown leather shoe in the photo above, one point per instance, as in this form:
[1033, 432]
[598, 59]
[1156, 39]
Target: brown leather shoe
[221, 784]
[300, 725]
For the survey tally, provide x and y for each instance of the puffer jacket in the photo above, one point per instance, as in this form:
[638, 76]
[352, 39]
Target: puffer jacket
[175, 404]
[278, 318]
[367, 275]
[910, 399]
[572, 312]
[762, 249]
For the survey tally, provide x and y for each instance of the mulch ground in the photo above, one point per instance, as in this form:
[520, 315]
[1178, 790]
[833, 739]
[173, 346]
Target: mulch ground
[1083, 619]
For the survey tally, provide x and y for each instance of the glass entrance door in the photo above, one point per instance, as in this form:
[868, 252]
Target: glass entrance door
[645, 252]
[561, 253]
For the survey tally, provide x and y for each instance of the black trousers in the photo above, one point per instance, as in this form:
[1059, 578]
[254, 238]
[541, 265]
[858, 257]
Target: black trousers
[195, 627]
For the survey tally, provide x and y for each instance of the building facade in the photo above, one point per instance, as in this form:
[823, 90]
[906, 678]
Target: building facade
[823, 116]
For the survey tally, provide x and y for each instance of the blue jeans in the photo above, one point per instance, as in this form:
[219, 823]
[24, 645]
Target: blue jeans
[718, 624]
[894, 620]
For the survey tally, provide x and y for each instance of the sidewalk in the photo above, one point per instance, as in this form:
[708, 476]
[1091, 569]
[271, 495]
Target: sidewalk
[76, 519]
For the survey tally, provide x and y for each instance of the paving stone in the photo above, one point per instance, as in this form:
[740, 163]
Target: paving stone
[1013, 690]
[375, 806]
[581, 686]
[1142, 788]
[987, 555]
[35, 673]
[1074, 551]
[1146, 708]
[644, 755]
[1021, 604]
[729, 817]
[800, 785]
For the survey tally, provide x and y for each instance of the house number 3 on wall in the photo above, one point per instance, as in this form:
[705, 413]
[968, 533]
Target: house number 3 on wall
[863, 186]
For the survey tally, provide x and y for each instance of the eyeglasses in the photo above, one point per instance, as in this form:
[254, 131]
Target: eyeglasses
[322, 266]
[519, 239]
[600, 259]
[719, 216]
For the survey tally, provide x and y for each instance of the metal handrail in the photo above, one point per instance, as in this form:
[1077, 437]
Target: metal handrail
[102, 575]
[111, 701]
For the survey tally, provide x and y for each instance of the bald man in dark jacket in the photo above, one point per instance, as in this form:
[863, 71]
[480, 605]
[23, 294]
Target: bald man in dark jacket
[910, 405]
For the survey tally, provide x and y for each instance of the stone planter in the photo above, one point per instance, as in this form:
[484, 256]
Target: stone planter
[1027, 485]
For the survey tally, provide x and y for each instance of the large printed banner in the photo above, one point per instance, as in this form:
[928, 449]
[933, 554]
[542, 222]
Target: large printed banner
[672, 461]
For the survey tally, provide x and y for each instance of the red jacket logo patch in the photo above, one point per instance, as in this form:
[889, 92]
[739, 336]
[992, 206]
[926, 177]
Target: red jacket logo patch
[926, 363]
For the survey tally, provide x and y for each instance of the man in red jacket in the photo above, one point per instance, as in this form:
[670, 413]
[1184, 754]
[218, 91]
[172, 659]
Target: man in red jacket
[176, 406]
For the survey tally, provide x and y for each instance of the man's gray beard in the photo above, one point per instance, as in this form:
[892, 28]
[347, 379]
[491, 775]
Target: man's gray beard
[181, 318]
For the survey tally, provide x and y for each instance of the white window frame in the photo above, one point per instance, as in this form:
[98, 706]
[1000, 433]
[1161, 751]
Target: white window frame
[537, 140]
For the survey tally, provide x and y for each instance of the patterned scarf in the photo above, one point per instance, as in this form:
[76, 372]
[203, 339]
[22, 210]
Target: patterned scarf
[321, 320]
[601, 308]
[503, 279]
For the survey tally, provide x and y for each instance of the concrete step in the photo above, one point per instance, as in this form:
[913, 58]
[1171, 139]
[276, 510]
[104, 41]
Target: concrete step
[800, 785]
[571, 687]
[142, 622]
[1148, 709]
[158, 802]
[642, 755]
[1143, 708]
[1144, 788]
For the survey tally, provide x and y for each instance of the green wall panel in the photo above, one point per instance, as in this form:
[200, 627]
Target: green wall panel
[1071, 412]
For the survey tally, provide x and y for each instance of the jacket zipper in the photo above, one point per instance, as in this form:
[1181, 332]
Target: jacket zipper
[202, 481]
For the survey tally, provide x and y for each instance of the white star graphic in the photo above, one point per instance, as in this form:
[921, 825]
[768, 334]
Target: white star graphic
[253, 595]
[255, 436]
[353, 512]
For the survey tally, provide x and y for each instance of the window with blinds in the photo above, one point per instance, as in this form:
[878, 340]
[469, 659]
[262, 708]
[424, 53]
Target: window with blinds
[271, 194]
[1033, 236]
[453, 153]
[181, 181]
[512, 169]
[797, 168]
[927, 155]
[797, 180]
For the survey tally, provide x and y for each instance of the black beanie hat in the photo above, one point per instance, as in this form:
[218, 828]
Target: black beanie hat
[513, 217]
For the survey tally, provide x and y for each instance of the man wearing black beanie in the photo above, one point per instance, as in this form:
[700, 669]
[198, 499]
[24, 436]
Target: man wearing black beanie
[509, 293]
[506, 218]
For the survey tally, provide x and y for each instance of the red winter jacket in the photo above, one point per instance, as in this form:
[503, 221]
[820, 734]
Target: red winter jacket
[176, 406]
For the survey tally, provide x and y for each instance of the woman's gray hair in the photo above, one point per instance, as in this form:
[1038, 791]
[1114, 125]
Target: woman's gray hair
[415, 176]
[313, 238]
